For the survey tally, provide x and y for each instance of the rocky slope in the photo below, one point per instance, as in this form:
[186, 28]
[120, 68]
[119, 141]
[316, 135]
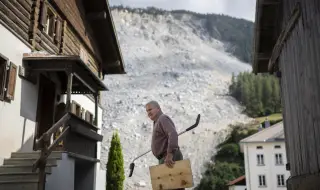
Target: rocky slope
[175, 62]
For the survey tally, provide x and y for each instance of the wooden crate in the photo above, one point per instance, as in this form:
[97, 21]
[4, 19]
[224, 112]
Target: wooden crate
[180, 176]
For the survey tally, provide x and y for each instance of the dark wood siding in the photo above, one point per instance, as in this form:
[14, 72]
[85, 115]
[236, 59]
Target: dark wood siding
[74, 11]
[300, 82]
[16, 15]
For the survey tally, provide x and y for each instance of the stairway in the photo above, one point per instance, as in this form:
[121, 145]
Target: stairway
[16, 172]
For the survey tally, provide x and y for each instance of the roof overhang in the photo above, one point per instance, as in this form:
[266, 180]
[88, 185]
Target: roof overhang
[84, 82]
[100, 19]
[267, 25]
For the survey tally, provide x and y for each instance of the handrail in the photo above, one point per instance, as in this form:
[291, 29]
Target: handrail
[53, 129]
[47, 148]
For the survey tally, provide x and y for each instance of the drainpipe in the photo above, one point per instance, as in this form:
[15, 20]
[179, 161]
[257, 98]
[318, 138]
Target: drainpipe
[248, 185]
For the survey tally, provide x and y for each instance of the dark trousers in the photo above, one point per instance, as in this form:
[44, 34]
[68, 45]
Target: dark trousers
[176, 157]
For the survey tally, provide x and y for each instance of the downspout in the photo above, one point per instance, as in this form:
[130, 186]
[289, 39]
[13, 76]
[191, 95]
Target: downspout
[248, 187]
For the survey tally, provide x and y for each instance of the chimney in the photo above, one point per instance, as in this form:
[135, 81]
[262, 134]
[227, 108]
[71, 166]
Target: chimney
[266, 123]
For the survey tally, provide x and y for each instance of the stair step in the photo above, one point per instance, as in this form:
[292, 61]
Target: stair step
[19, 185]
[21, 168]
[19, 176]
[54, 154]
[26, 161]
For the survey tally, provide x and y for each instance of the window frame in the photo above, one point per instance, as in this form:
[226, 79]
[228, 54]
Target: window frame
[262, 178]
[3, 80]
[51, 23]
[278, 157]
[279, 180]
[260, 160]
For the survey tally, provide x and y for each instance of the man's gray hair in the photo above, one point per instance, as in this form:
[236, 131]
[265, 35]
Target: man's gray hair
[154, 103]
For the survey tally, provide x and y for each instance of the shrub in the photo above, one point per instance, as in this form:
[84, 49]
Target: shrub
[115, 169]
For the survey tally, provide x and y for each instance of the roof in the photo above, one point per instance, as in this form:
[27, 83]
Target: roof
[267, 25]
[239, 181]
[59, 63]
[270, 134]
[98, 16]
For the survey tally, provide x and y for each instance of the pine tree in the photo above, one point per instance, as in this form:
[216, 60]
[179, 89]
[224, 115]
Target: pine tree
[115, 169]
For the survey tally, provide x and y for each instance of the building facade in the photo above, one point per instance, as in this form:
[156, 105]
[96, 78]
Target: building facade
[265, 159]
[286, 44]
[53, 58]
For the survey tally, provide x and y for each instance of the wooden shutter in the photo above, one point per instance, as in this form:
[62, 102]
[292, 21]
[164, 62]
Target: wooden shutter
[57, 37]
[11, 85]
[3, 76]
[44, 14]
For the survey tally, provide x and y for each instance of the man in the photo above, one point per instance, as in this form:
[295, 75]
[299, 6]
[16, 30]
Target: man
[164, 143]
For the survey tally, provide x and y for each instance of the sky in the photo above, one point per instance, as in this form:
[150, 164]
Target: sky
[236, 8]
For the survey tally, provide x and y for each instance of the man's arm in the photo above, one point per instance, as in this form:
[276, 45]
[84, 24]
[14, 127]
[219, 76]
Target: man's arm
[170, 130]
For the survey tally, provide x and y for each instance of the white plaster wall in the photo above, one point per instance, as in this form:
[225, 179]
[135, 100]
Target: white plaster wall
[237, 187]
[270, 169]
[17, 119]
[87, 104]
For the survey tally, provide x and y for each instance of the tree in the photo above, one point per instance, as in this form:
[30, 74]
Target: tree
[259, 94]
[115, 169]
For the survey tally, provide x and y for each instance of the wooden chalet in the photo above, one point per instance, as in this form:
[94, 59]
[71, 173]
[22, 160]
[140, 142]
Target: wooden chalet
[286, 44]
[53, 58]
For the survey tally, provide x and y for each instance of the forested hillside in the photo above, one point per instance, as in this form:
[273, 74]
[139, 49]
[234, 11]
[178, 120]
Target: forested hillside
[260, 94]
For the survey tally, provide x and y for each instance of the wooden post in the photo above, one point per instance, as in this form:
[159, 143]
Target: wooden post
[69, 90]
[96, 108]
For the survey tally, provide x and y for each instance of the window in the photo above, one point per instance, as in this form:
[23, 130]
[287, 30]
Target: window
[3, 75]
[280, 179]
[50, 23]
[277, 146]
[8, 74]
[262, 181]
[279, 159]
[259, 147]
[260, 159]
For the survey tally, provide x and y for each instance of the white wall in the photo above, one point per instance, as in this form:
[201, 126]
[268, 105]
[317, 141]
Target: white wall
[17, 119]
[89, 105]
[237, 187]
[270, 169]
[62, 176]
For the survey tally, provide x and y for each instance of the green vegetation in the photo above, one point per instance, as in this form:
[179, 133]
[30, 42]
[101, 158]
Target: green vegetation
[237, 34]
[115, 169]
[229, 163]
[260, 94]
[272, 117]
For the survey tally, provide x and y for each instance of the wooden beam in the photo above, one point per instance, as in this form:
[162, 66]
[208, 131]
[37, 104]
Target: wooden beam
[34, 23]
[295, 15]
[97, 15]
[114, 64]
[270, 2]
[69, 90]
[96, 108]
[264, 56]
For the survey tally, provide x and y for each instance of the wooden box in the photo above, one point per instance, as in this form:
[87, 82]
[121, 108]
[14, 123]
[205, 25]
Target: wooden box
[180, 176]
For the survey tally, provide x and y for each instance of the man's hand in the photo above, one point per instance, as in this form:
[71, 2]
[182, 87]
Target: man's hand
[169, 160]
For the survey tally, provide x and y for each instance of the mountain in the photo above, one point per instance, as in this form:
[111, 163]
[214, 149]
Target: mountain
[236, 34]
[173, 58]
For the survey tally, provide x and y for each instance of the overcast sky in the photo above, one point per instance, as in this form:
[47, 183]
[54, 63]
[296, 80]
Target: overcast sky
[236, 8]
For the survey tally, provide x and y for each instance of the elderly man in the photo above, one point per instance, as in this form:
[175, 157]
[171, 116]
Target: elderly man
[164, 143]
